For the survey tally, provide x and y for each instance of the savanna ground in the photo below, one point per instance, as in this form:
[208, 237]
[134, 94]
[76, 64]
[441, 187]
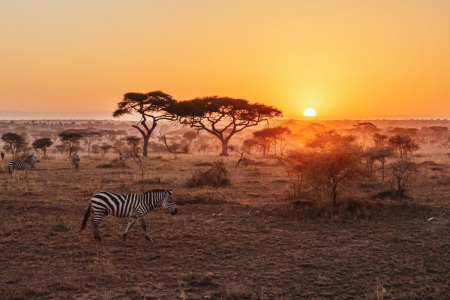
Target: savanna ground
[245, 241]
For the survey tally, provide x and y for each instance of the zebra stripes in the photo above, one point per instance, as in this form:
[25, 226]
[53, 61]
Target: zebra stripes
[22, 164]
[75, 162]
[135, 206]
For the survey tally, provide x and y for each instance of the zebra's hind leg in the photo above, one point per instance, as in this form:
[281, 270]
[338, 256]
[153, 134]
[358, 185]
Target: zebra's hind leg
[95, 229]
[144, 226]
[130, 223]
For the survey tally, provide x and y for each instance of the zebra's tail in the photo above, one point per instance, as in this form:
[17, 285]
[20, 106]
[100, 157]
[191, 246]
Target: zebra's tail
[86, 216]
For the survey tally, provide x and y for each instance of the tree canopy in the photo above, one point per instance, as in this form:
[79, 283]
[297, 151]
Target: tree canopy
[70, 137]
[43, 144]
[267, 136]
[222, 116]
[404, 144]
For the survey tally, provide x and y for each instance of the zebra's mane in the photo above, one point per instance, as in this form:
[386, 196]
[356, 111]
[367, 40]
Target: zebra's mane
[29, 157]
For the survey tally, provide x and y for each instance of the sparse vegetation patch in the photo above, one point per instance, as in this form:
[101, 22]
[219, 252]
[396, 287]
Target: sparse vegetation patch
[216, 176]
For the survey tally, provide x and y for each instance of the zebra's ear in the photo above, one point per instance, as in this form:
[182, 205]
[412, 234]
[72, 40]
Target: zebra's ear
[170, 191]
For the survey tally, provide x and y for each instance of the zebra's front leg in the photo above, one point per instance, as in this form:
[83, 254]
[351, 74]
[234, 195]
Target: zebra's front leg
[130, 223]
[144, 226]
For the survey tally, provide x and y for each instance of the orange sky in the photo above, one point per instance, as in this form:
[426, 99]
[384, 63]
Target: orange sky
[346, 59]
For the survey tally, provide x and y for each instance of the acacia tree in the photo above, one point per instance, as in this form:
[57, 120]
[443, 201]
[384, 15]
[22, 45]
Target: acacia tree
[248, 145]
[271, 135]
[222, 117]
[379, 154]
[189, 136]
[71, 138]
[365, 128]
[105, 148]
[379, 139]
[43, 144]
[13, 141]
[151, 107]
[404, 144]
[133, 141]
[89, 136]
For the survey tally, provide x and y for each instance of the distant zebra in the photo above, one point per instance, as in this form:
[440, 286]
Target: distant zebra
[75, 162]
[121, 160]
[22, 164]
[135, 206]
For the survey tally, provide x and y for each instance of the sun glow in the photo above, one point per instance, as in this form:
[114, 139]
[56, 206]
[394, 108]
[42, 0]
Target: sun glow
[309, 112]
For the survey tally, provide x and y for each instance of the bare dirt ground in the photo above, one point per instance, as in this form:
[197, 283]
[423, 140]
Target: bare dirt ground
[246, 241]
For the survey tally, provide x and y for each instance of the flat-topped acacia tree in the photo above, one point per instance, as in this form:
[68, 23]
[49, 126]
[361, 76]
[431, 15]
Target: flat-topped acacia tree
[151, 106]
[222, 117]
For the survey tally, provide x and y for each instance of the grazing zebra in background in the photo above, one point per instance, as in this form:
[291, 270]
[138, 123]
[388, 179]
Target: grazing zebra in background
[135, 206]
[75, 162]
[121, 160]
[22, 164]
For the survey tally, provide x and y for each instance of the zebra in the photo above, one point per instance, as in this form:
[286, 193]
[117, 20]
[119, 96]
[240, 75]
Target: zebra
[22, 164]
[121, 160]
[135, 206]
[75, 162]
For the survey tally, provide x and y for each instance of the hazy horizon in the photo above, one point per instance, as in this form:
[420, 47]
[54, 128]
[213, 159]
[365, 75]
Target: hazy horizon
[104, 115]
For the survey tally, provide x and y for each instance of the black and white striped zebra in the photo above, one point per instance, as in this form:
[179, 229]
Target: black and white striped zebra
[75, 162]
[22, 164]
[135, 206]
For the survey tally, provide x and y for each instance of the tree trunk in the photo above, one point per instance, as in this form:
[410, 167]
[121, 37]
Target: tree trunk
[145, 146]
[334, 194]
[224, 148]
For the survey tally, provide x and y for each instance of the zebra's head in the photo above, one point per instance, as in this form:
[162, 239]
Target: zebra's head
[33, 158]
[168, 204]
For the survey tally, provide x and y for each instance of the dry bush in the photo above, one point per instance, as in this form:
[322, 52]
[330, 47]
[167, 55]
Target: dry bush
[216, 176]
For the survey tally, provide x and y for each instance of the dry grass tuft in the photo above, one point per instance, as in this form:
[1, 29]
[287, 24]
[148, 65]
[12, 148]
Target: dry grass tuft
[216, 176]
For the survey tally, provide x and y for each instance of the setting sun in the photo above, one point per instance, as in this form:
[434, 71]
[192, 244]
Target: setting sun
[309, 112]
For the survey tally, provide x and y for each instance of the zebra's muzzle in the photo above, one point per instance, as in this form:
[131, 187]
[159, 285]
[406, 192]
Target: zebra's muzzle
[174, 212]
